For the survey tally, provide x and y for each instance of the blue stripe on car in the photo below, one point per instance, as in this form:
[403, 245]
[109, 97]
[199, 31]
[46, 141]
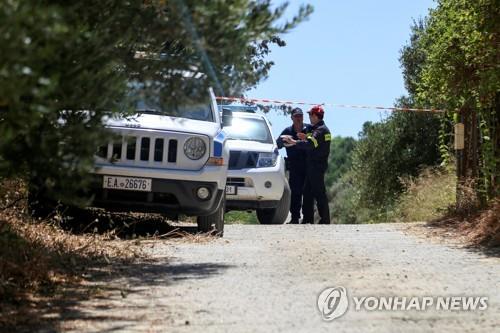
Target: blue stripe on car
[219, 143]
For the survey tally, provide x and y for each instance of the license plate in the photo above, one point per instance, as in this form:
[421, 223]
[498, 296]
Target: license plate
[231, 189]
[127, 183]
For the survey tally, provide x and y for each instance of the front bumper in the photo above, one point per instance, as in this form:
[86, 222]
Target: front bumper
[167, 196]
[214, 174]
[251, 204]
[251, 190]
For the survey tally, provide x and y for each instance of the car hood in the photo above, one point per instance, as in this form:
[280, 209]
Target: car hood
[165, 123]
[246, 145]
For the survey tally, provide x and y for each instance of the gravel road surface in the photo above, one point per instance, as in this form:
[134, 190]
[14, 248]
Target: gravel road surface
[267, 279]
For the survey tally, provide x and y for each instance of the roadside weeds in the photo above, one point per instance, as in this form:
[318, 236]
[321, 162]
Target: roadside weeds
[45, 269]
[477, 231]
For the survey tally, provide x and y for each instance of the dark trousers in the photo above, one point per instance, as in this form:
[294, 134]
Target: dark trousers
[296, 180]
[314, 189]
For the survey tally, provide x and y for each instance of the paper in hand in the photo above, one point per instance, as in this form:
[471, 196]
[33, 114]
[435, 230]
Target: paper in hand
[286, 140]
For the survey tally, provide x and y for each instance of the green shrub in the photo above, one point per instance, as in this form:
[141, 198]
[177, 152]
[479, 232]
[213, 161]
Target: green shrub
[240, 217]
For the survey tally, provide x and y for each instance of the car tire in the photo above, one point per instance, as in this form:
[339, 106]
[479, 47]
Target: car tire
[279, 214]
[213, 222]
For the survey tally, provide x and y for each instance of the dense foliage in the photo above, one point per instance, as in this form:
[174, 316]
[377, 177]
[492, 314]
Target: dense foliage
[339, 161]
[339, 188]
[390, 150]
[461, 72]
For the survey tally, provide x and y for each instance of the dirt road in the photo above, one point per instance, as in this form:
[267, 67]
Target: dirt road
[268, 278]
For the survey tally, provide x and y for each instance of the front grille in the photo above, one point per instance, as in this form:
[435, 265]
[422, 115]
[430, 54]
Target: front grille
[158, 150]
[117, 151]
[145, 142]
[242, 159]
[235, 181]
[130, 142]
[139, 148]
[172, 150]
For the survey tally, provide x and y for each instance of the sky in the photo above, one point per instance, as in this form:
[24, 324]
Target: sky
[347, 52]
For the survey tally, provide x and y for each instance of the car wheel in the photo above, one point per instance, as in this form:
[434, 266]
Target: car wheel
[214, 221]
[279, 214]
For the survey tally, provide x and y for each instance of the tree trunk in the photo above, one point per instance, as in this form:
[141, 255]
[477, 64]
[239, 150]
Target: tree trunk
[468, 162]
[495, 136]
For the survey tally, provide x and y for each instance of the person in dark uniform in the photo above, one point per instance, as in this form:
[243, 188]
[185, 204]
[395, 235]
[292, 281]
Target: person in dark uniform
[295, 161]
[316, 143]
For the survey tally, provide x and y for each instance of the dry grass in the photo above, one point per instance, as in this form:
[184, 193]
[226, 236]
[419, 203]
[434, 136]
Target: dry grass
[188, 237]
[42, 264]
[432, 197]
[428, 196]
[481, 228]
[37, 258]
[484, 229]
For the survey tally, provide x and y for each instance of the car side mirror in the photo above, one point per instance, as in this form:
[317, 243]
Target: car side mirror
[227, 117]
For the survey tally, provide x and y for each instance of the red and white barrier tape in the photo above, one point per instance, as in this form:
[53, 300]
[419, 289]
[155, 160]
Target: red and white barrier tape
[270, 101]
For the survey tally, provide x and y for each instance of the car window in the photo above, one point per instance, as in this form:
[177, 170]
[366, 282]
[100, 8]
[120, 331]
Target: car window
[196, 111]
[252, 129]
[197, 106]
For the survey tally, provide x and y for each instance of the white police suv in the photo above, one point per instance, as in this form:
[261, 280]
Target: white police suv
[256, 174]
[167, 159]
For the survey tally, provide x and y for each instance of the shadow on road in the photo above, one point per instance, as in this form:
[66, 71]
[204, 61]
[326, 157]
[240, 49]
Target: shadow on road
[112, 285]
[451, 231]
[489, 252]
[112, 288]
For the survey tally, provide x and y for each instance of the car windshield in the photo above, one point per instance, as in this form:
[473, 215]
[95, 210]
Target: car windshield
[195, 106]
[251, 129]
[196, 111]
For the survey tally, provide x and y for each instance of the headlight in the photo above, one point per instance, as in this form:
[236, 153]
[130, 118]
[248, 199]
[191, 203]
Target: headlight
[267, 160]
[195, 148]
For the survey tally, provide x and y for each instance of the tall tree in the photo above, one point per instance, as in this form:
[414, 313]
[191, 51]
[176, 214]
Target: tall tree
[461, 72]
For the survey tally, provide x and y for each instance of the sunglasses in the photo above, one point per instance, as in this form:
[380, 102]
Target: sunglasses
[298, 116]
